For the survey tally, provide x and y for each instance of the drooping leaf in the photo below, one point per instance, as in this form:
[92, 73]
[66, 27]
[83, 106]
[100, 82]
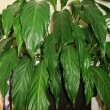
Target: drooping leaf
[18, 33]
[7, 63]
[87, 76]
[63, 2]
[102, 82]
[8, 16]
[34, 20]
[55, 86]
[53, 2]
[92, 15]
[62, 27]
[89, 38]
[51, 61]
[37, 92]
[79, 36]
[69, 59]
[21, 80]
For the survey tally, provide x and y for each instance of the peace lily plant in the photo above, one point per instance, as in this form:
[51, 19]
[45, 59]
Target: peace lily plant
[43, 51]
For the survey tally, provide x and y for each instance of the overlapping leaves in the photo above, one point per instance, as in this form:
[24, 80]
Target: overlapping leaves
[102, 82]
[7, 63]
[30, 24]
[92, 15]
[3, 44]
[87, 77]
[62, 27]
[51, 60]
[8, 16]
[37, 92]
[21, 81]
[79, 37]
[34, 20]
[69, 59]
[18, 33]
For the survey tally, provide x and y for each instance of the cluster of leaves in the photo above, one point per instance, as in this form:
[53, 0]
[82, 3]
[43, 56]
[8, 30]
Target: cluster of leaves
[75, 47]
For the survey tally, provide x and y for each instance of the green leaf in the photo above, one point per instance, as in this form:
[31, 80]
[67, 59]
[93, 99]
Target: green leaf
[53, 2]
[34, 20]
[92, 15]
[102, 82]
[108, 49]
[8, 16]
[63, 2]
[89, 38]
[87, 77]
[21, 80]
[37, 92]
[55, 86]
[71, 71]
[51, 62]
[3, 44]
[79, 36]
[62, 27]
[7, 63]
[18, 33]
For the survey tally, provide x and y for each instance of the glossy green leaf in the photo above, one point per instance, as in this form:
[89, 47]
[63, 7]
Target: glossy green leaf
[21, 80]
[87, 77]
[7, 63]
[69, 59]
[79, 36]
[37, 92]
[55, 86]
[63, 2]
[18, 33]
[8, 16]
[102, 82]
[62, 27]
[51, 61]
[34, 20]
[92, 15]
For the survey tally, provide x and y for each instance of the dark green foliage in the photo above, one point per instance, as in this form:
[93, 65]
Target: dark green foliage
[42, 51]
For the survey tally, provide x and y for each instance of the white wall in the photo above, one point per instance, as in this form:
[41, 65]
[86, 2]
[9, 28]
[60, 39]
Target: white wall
[4, 3]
